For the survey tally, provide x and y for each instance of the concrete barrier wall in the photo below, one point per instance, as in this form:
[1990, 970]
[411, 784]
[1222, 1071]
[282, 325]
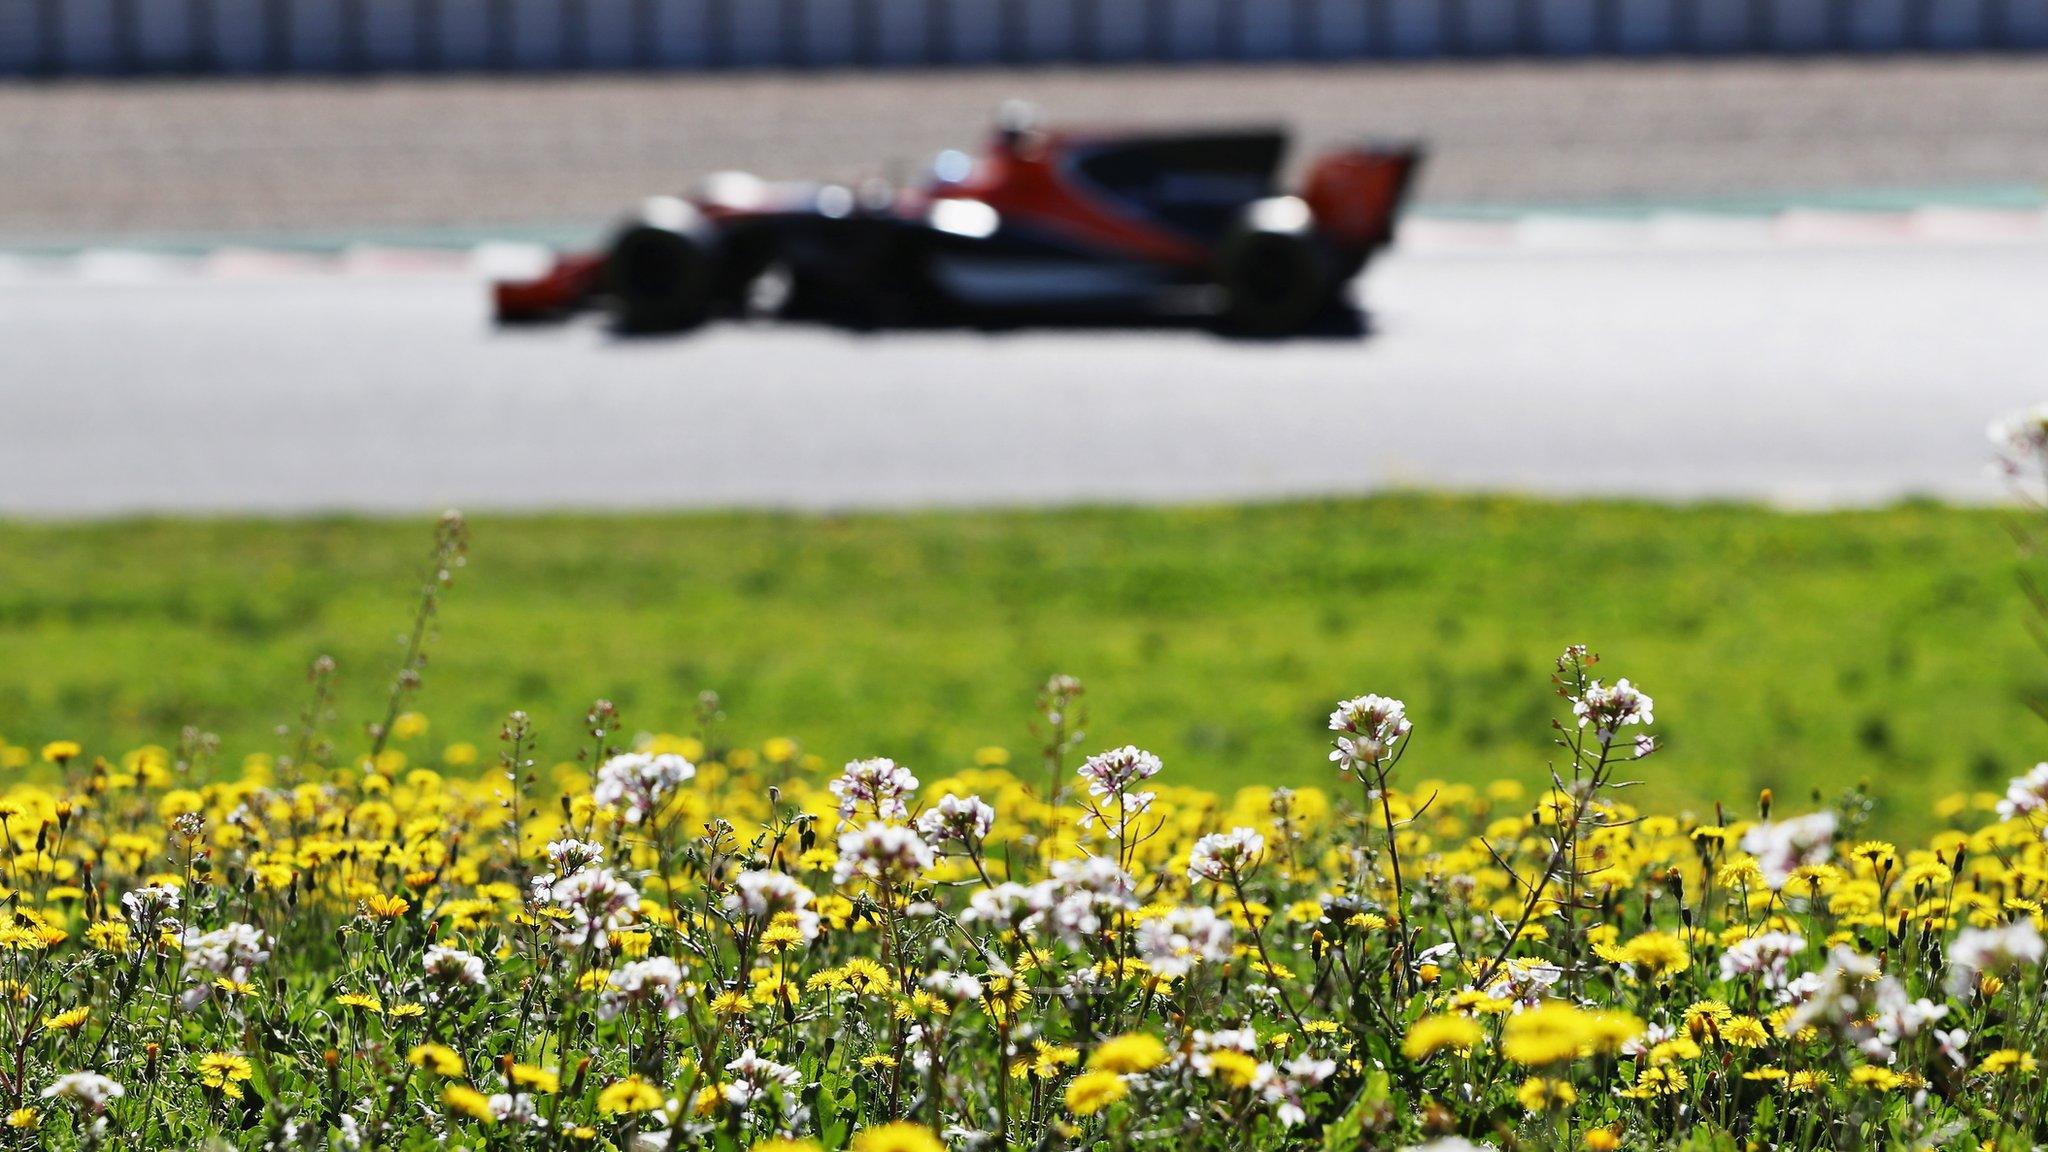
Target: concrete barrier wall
[139, 37]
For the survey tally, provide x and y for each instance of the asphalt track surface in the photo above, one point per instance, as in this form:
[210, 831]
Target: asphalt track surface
[1810, 374]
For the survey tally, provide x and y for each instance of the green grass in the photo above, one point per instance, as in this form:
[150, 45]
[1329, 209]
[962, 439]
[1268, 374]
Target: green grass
[1790, 650]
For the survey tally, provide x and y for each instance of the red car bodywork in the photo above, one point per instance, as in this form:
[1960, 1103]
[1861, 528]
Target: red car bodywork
[1038, 186]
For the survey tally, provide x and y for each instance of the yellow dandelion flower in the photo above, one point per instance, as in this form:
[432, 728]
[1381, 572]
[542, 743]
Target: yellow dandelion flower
[1538, 1094]
[1433, 1034]
[439, 1059]
[1660, 955]
[69, 1020]
[900, 1136]
[463, 1099]
[1045, 1060]
[542, 1080]
[780, 937]
[1657, 1080]
[1876, 1079]
[1745, 1032]
[1136, 1052]
[629, 1095]
[1233, 1067]
[1091, 1092]
[2007, 1061]
[1550, 1033]
[1810, 1080]
[225, 1072]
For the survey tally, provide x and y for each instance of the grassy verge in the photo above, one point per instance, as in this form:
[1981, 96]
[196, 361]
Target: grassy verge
[1792, 651]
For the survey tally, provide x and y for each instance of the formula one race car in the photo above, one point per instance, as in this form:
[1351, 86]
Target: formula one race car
[1045, 221]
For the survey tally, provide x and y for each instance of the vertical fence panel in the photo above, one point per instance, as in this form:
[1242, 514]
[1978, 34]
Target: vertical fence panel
[1490, 27]
[1086, 17]
[62, 37]
[1641, 28]
[1339, 29]
[1565, 27]
[1261, 29]
[1045, 30]
[1119, 30]
[1716, 27]
[207, 26]
[1196, 31]
[1802, 26]
[1877, 25]
[904, 31]
[1453, 28]
[1954, 24]
[533, 35]
[315, 31]
[391, 36]
[612, 31]
[825, 34]
[21, 36]
[2027, 24]
[1415, 28]
[159, 37]
[223, 36]
[85, 37]
[677, 31]
[754, 33]
[459, 36]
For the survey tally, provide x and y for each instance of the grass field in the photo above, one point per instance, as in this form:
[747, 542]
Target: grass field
[1790, 650]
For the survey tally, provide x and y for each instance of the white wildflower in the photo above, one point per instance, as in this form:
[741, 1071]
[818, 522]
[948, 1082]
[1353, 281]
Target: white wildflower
[1609, 708]
[656, 981]
[636, 783]
[1113, 773]
[881, 852]
[2026, 795]
[452, 968]
[880, 785]
[90, 1089]
[1173, 943]
[1220, 856]
[1784, 847]
[1764, 954]
[966, 820]
[599, 904]
[1368, 728]
[1977, 951]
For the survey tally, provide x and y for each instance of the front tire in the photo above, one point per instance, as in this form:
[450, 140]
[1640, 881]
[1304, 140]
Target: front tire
[660, 279]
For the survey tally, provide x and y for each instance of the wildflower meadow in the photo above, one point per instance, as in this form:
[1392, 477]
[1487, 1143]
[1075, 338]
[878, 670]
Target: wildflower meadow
[670, 941]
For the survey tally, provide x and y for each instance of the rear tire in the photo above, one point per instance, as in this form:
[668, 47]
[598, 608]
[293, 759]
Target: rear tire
[659, 279]
[1275, 283]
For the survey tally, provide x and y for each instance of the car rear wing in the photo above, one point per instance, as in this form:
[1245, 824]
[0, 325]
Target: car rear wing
[1356, 193]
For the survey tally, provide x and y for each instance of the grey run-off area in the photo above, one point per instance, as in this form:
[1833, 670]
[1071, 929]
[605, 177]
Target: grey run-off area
[320, 159]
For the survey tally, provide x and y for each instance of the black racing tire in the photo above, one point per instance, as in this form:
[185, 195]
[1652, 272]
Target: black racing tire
[659, 279]
[1275, 283]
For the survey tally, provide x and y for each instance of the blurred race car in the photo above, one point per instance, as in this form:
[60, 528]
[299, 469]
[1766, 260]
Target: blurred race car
[1068, 222]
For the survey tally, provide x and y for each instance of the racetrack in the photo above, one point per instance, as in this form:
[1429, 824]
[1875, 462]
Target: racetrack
[1808, 373]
